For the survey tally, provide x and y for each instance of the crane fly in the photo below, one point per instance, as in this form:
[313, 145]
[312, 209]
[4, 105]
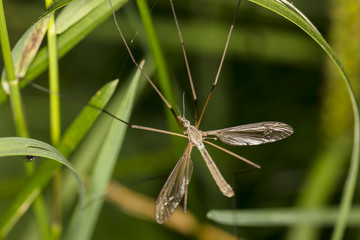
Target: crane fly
[176, 186]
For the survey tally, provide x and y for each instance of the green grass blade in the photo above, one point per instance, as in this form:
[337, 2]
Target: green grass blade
[84, 158]
[283, 217]
[321, 182]
[20, 59]
[84, 219]
[69, 39]
[12, 83]
[54, 6]
[5, 45]
[287, 10]
[81, 125]
[161, 67]
[16, 146]
[74, 12]
[43, 175]
[156, 52]
[26, 48]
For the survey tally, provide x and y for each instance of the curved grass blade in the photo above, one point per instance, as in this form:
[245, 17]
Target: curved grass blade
[84, 219]
[32, 149]
[43, 175]
[281, 217]
[287, 10]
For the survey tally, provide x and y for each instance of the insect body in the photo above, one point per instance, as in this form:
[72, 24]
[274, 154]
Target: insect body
[176, 186]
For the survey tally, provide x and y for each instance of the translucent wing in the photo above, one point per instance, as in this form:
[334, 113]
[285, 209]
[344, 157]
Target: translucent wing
[253, 134]
[175, 187]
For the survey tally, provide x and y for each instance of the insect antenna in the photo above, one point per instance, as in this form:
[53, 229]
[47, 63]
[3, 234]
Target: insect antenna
[183, 102]
[221, 63]
[142, 71]
[186, 61]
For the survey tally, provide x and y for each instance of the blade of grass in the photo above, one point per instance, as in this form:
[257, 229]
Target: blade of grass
[55, 121]
[23, 56]
[321, 182]
[83, 220]
[16, 146]
[53, 7]
[84, 157]
[156, 51]
[161, 66]
[291, 13]
[26, 48]
[81, 125]
[12, 80]
[74, 12]
[281, 217]
[69, 142]
[68, 40]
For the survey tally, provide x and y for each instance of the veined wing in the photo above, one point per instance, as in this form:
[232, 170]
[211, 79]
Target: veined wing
[175, 187]
[253, 134]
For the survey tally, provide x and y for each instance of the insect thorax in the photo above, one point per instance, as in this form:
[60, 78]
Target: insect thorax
[195, 135]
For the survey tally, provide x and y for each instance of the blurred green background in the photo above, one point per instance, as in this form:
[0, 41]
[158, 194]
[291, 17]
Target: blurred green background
[272, 72]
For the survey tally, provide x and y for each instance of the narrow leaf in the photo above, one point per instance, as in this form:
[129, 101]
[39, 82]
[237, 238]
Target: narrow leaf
[82, 124]
[71, 139]
[17, 146]
[69, 39]
[84, 219]
[74, 12]
[54, 6]
[281, 217]
[25, 50]
[288, 10]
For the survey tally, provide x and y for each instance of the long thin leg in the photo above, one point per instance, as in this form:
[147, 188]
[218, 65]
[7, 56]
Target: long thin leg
[143, 73]
[221, 63]
[233, 154]
[41, 88]
[186, 60]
